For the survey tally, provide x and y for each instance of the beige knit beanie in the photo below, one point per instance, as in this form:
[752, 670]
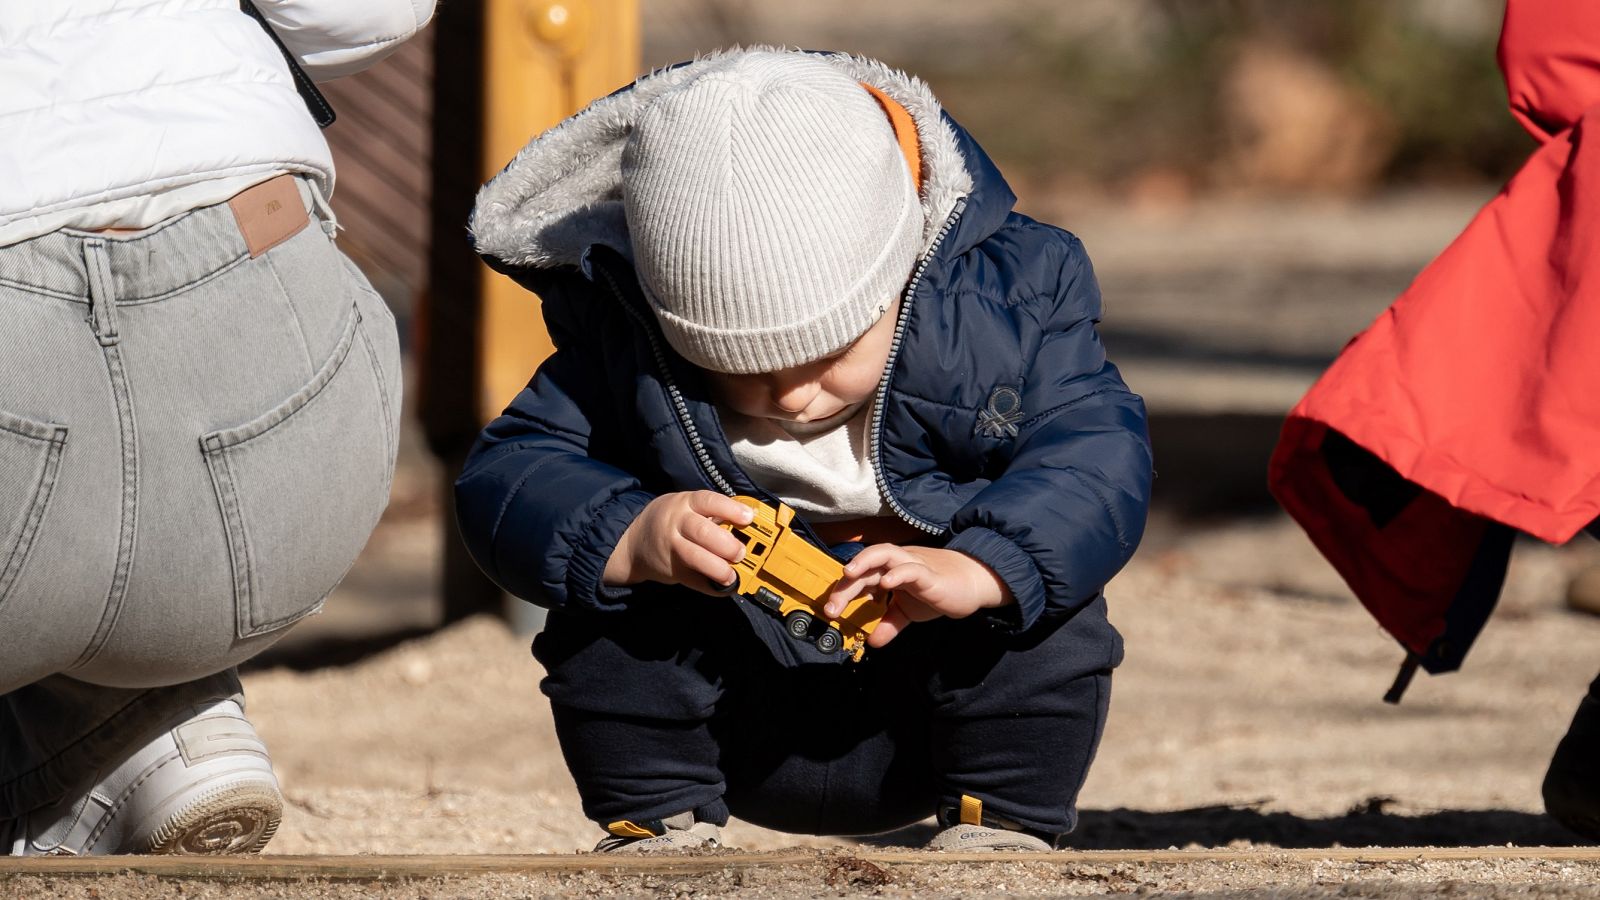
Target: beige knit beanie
[772, 214]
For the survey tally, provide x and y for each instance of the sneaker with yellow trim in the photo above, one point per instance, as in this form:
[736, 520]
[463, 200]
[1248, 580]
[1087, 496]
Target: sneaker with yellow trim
[672, 834]
[981, 838]
[967, 828]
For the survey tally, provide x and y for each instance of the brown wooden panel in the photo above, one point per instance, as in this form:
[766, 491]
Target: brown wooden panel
[382, 151]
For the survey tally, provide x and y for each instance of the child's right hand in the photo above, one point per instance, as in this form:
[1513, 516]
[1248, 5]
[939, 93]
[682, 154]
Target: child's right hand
[676, 540]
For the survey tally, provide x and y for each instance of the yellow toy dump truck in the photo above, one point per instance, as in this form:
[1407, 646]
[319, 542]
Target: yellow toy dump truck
[784, 573]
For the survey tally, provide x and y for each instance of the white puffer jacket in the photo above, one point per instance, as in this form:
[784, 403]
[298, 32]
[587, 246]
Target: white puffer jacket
[106, 102]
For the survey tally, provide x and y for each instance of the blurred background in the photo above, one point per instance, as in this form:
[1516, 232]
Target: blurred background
[1254, 180]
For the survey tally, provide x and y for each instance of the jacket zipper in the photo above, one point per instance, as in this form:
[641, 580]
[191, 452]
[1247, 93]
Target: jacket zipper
[686, 421]
[701, 454]
[883, 383]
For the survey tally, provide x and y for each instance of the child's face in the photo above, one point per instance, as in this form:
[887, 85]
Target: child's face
[817, 390]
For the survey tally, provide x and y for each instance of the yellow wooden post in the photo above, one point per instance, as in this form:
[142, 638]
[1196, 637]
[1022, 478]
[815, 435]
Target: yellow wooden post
[543, 61]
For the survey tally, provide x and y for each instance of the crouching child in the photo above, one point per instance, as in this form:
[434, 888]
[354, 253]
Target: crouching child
[791, 276]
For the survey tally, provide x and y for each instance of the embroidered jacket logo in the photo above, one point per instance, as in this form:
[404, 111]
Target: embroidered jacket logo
[1000, 419]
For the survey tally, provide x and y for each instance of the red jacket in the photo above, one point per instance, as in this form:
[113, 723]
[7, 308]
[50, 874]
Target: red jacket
[1472, 405]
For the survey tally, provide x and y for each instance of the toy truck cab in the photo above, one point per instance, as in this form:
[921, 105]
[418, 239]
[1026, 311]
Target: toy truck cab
[785, 574]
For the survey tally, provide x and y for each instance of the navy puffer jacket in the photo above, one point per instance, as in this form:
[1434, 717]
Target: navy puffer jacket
[1001, 429]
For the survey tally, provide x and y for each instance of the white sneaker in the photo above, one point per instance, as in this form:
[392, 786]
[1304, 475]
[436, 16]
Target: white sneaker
[202, 784]
[680, 832]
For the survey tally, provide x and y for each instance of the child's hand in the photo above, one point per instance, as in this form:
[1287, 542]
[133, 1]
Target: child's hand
[676, 540]
[928, 582]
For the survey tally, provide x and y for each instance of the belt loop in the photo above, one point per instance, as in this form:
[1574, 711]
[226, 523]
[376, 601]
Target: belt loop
[330, 222]
[102, 295]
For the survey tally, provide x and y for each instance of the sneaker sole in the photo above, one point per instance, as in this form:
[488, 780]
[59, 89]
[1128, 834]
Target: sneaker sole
[232, 819]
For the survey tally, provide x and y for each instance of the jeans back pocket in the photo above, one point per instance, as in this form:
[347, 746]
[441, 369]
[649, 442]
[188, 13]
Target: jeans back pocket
[30, 457]
[302, 486]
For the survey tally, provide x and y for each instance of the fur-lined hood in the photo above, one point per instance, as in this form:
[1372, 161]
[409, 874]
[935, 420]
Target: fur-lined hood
[563, 191]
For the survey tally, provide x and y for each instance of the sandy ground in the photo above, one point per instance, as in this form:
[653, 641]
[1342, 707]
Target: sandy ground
[1235, 875]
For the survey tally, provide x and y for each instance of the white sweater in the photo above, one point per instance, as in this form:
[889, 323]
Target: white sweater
[823, 470]
[122, 112]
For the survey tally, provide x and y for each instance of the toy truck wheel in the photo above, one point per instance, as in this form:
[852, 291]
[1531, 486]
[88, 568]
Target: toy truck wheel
[829, 640]
[798, 624]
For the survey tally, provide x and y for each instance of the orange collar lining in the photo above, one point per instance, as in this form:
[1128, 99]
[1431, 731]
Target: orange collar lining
[905, 132]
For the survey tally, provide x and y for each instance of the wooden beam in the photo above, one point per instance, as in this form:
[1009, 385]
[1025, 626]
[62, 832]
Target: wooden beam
[385, 868]
[446, 339]
[504, 70]
[543, 61]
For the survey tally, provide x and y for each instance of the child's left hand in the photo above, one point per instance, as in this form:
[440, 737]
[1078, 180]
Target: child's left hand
[928, 582]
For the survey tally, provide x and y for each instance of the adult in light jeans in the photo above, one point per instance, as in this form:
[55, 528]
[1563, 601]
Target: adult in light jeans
[198, 404]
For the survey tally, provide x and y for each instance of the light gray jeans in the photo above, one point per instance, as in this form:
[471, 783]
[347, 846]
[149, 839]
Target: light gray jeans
[194, 447]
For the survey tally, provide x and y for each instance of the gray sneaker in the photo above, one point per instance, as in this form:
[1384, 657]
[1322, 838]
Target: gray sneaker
[202, 784]
[675, 834]
[979, 838]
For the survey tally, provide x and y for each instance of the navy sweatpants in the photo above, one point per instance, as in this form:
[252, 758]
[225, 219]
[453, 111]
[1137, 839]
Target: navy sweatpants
[675, 704]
